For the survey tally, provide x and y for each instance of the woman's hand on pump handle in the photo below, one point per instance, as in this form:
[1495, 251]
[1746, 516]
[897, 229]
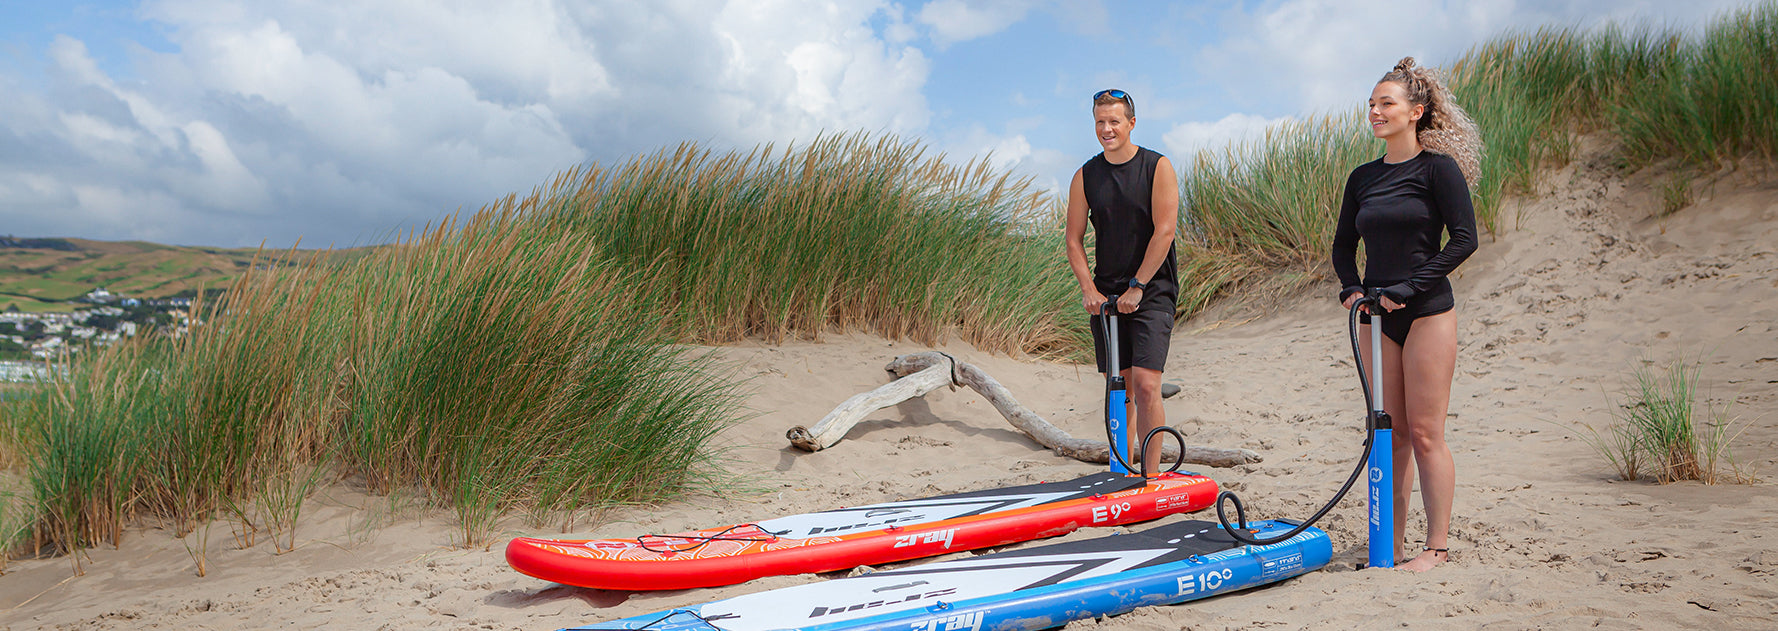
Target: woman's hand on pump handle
[1388, 304]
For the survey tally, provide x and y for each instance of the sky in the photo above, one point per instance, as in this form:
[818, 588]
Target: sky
[203, 122]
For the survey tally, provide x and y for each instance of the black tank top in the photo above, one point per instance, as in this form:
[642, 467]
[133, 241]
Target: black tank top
[1119, 197]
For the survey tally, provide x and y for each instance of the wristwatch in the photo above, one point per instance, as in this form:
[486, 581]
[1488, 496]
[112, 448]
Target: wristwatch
[1138, 284]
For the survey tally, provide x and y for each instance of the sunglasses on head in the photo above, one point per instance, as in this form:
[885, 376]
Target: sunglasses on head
[1117, 94]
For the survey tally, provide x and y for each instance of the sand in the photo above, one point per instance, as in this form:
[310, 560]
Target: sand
[1585, 280]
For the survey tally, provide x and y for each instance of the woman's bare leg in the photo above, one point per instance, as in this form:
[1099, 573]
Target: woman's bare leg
[1429, 361]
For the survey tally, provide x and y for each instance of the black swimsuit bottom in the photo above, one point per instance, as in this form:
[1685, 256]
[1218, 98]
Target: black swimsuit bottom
[1432, 302]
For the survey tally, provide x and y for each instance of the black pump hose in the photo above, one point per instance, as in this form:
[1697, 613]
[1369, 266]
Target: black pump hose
[1240, 534]
[1142, 451]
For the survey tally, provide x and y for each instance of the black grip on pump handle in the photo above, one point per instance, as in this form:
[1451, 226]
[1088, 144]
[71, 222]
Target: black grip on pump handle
[1371, 296]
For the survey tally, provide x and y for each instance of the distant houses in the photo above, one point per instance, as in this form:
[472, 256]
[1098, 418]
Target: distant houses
[28, 339]
[102, 296]
[99, 296]
[23, 372]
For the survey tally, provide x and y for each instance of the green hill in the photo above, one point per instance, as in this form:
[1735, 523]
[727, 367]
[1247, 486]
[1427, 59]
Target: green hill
[40, 274]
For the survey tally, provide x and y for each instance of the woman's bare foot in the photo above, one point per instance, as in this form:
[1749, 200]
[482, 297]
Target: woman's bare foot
[1430, 558]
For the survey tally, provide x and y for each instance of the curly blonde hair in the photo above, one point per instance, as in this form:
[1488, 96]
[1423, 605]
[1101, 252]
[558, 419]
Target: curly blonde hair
[1444, 128]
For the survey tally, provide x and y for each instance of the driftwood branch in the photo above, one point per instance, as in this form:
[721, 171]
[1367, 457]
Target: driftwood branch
[835, 425]
[927, 367]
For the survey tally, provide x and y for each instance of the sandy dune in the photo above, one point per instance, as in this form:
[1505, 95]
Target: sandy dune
[1582, 283]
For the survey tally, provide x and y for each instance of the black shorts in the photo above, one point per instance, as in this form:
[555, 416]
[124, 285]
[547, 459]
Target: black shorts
[1434, 301]
[1144, 336]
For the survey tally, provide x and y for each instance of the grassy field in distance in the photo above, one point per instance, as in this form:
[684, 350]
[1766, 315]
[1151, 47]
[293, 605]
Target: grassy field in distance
[63, 269]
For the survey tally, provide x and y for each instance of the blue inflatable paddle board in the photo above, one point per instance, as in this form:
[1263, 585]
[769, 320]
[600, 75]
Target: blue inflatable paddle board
[1032, 588]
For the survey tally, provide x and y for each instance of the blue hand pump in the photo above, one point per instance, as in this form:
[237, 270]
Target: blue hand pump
[1117, 413]
[1382, 454]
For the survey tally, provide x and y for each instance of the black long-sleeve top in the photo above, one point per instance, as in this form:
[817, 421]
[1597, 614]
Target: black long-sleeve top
[1401, 210]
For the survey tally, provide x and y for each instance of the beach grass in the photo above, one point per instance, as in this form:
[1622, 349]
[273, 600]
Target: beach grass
[1659, 412]
[77, 440]
[17, 509]
[526, 372]
[1708, 101]
[1676, 193]
[1266, 209]
[1661, 429]
[1620, 445]
[843, 232]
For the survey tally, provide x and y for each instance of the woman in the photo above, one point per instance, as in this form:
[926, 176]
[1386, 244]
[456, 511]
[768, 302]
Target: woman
[1131, 196]
[1400, 205]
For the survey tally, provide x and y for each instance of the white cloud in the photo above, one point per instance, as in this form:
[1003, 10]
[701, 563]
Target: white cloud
[1187, 139]
[223, 181]
[1012, 151]
[1087, 17]
[1316, 55]
[523, 48]
[954, 21]
[1051, 169]
[1319, 54]
[1005, 153]
[96, 134]
[897, 30]
[348, 121]
[806, 71]
[151, 214]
